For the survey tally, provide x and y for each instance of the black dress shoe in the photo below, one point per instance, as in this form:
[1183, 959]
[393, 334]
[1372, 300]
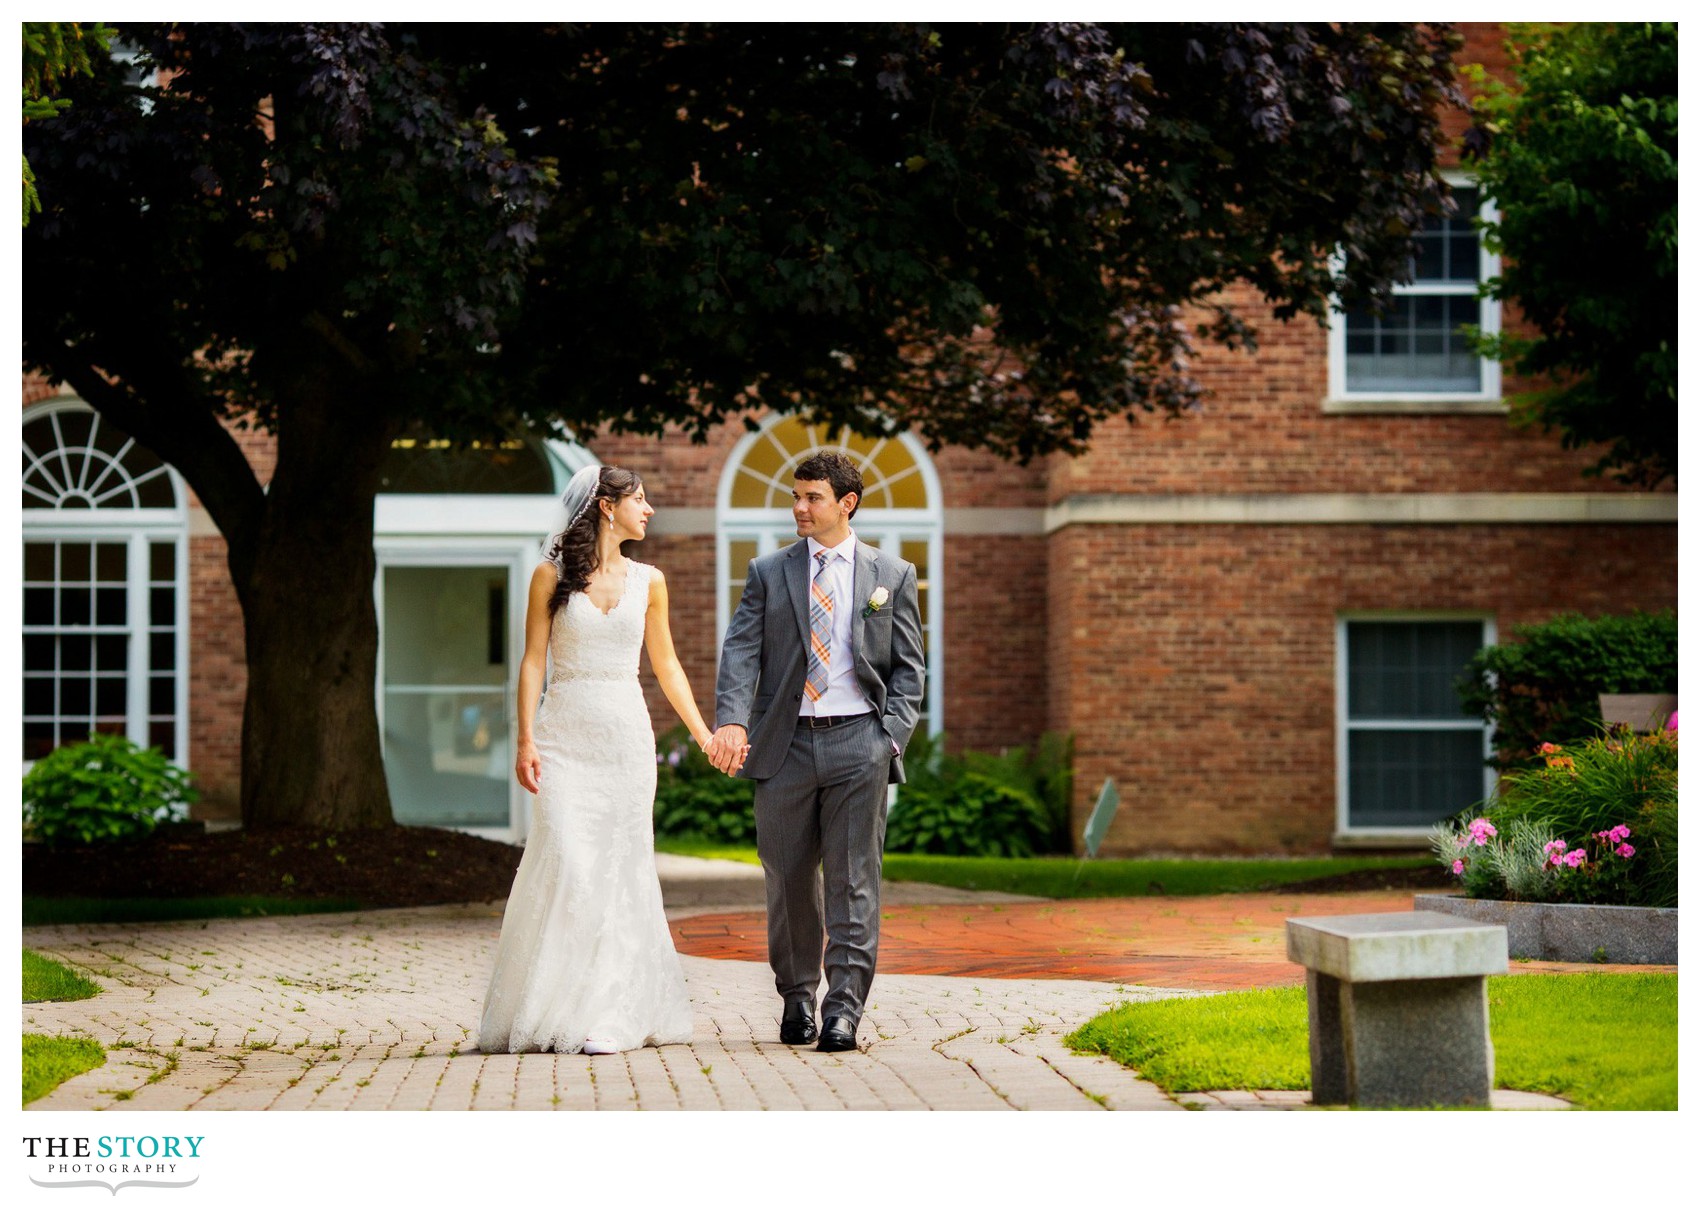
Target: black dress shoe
[838, 1034]
[798, 1025]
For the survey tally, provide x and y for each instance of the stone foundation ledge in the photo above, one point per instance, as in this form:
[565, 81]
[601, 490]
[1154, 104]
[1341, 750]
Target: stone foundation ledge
[1575, 934]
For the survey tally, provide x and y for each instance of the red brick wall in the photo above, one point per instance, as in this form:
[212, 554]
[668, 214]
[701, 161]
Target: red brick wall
[1195, 664]
[995, 611]
[218, 680]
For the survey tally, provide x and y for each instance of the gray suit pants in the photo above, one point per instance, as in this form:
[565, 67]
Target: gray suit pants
[824, 812]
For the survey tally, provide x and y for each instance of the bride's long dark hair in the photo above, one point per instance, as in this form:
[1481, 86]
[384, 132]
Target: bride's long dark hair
[573, 552]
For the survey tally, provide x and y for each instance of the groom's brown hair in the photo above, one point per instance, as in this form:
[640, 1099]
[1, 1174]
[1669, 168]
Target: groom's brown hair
[837, 469]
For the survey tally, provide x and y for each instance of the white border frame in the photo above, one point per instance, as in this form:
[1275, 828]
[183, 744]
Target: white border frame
[888, 525]
[1488, 399]
[137, 528]
[1342, 726]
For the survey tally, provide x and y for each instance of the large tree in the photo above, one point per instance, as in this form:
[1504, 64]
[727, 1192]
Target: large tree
[988, 233]
[1579, 151]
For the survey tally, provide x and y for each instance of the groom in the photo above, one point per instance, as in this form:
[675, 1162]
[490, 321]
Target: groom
[821, 675]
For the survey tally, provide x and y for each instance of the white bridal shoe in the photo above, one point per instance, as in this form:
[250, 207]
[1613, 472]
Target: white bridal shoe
[598, 1047]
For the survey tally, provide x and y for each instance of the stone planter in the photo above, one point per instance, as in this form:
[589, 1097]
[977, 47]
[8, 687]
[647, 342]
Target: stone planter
[1576, 934]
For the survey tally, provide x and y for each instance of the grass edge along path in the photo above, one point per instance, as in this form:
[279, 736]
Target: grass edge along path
[46, 980]
[1604, 1041]
[1064, 877]
[49, 1060]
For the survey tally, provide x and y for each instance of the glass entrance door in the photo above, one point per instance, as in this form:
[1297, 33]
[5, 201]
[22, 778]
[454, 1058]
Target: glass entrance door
[448, 750]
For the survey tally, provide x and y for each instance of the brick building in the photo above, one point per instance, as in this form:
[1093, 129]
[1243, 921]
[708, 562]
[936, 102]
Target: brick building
[1249, 619]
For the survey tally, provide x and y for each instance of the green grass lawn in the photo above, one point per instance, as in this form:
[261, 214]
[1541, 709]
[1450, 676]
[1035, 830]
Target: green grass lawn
[1605, 1041]
[48, 1061]
[1070, 877]
[48, 981]
[54, 910]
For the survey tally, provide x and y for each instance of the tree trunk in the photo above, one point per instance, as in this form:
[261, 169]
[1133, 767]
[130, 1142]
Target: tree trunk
[310, 741]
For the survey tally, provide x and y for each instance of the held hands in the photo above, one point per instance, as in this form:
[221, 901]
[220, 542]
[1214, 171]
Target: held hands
[728, 748]
[528, 766]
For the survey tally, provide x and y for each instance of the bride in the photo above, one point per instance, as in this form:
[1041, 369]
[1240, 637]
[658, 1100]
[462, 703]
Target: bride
[585, 962]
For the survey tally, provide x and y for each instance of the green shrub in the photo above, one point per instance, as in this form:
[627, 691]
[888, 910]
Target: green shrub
[105, 790]
[1594, 824]
[1010, 804]
[693, 799]
[1546, 687]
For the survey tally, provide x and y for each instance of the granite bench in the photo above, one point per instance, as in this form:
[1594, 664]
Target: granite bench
[1398, 1007]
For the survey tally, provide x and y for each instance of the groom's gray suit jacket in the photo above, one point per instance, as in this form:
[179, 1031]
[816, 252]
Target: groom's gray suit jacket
[764, 660]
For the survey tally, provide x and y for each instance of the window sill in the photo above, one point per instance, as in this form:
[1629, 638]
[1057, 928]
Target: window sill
[1387, 839]
[1439, 406]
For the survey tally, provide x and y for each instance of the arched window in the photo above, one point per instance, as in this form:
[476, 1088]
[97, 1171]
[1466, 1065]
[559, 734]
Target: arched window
[900, 511]
[105, 557]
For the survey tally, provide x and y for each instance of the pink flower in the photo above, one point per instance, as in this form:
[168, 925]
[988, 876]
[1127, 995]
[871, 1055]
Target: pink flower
[1617, 834]
[1481, 829]
[1575, 858]
[1555, 846]
[1549, 747]
[1457, 866]
[1672, 724]
[1626, 851]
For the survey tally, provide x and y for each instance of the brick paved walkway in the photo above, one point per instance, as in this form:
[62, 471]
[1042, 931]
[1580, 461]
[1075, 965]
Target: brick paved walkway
[376, 1010]
[1201, 943]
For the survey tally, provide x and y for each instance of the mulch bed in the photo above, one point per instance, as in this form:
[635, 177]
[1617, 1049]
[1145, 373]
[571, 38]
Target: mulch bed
[380, 868]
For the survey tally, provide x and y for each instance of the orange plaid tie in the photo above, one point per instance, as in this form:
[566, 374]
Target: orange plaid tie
[820, 631]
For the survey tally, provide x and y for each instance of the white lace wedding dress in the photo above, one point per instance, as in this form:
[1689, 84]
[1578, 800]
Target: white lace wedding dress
[585, 952]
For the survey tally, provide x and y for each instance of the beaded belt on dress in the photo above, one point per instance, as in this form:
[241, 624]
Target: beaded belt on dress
[610, 675]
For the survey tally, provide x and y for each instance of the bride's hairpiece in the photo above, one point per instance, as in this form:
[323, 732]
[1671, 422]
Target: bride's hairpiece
[579, 496]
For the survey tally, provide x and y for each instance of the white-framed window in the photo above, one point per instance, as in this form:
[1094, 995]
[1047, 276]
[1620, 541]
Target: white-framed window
[900, 511]
[1408, 754]
[105, 615]
[1416, 353]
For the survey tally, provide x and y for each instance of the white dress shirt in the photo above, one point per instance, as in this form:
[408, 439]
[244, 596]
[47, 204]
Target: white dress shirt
[843, 695]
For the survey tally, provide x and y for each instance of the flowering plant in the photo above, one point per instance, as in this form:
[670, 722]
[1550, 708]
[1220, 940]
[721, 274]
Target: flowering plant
[1604, 792]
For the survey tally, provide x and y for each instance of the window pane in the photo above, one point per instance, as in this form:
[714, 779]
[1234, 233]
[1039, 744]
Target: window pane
[111, 563]
[74, 606]
[113, 606]
[162, 695]
[1418, 346]
[162, 734]
[38, 653]
[1406, 671]
[75, 651]
[112, 653]
[38, 607]
[162, 605]
[109, 696]
[75, 695]
[162, 651]
[38, 562]
[162, 561]
[74, 561]
[38, 696]
[38, 739]
[1403, 779]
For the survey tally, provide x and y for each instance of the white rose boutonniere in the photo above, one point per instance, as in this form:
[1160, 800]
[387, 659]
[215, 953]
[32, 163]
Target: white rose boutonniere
[878, 598]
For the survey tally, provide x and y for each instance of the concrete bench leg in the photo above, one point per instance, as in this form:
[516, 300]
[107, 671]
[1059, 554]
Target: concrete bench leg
[1402, 1043]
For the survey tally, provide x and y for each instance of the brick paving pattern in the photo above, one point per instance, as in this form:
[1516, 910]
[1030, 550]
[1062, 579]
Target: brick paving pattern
[376, 1010]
